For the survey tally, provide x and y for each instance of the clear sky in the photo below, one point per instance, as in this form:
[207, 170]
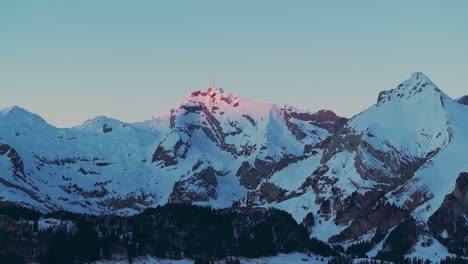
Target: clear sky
[71, 60]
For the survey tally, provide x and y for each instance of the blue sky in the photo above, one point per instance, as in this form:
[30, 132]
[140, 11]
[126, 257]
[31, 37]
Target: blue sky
[71, 60]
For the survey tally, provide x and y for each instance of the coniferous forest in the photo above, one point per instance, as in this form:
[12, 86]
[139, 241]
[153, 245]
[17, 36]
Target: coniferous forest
[172, 231]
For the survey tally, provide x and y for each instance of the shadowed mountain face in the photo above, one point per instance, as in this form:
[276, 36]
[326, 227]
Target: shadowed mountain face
[402, 158]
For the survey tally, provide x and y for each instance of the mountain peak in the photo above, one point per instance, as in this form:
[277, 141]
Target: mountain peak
[13, 109]
[21, 118]
[212, 96]
[211, 92]
[99, 118]
[19, 113]
[416, 84]
[419, 76]
[215, 90]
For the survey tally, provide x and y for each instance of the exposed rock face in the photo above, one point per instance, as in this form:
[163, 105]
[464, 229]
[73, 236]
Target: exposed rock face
[382, 96]
[201, 186]
[249, 176]
[382, 216]
[367, 209]
[15, 159]
[210, 117]
[271, 193]
[449, 224]
[175, 146]
[463, 100]
[359, 205]
[343, 179]
[325, 119]
[106, 129]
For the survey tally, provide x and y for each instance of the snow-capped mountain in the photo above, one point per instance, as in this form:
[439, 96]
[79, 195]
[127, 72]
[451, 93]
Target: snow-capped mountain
[345, 180]
[203, 151]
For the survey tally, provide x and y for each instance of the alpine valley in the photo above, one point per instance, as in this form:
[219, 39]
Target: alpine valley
[390, 181]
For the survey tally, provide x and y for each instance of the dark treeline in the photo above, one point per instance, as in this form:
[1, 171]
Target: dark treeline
[171, 231]
[178, 231]
[361, 248]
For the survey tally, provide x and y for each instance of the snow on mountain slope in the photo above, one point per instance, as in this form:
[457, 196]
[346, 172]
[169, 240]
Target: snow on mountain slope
[196, 153]
[398, 158]
[291, 258]
[437, 177]
[435, 251]
[229, 145]
[98, 166]
[412, 117]
[421, 122]
[345, 180]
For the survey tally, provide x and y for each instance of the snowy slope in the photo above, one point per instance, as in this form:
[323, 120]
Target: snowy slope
[401, 158]
[192, 154]
[291, 258]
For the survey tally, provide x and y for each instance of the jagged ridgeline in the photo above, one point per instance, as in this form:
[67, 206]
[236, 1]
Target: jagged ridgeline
[353, 183]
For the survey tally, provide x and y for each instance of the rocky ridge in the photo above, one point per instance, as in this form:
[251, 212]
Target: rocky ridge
[399, 162]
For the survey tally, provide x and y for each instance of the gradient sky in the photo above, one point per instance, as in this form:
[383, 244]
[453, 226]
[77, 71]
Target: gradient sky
[71, 60]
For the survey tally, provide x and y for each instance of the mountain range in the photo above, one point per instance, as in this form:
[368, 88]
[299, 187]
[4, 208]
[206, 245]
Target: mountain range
[400, 163]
